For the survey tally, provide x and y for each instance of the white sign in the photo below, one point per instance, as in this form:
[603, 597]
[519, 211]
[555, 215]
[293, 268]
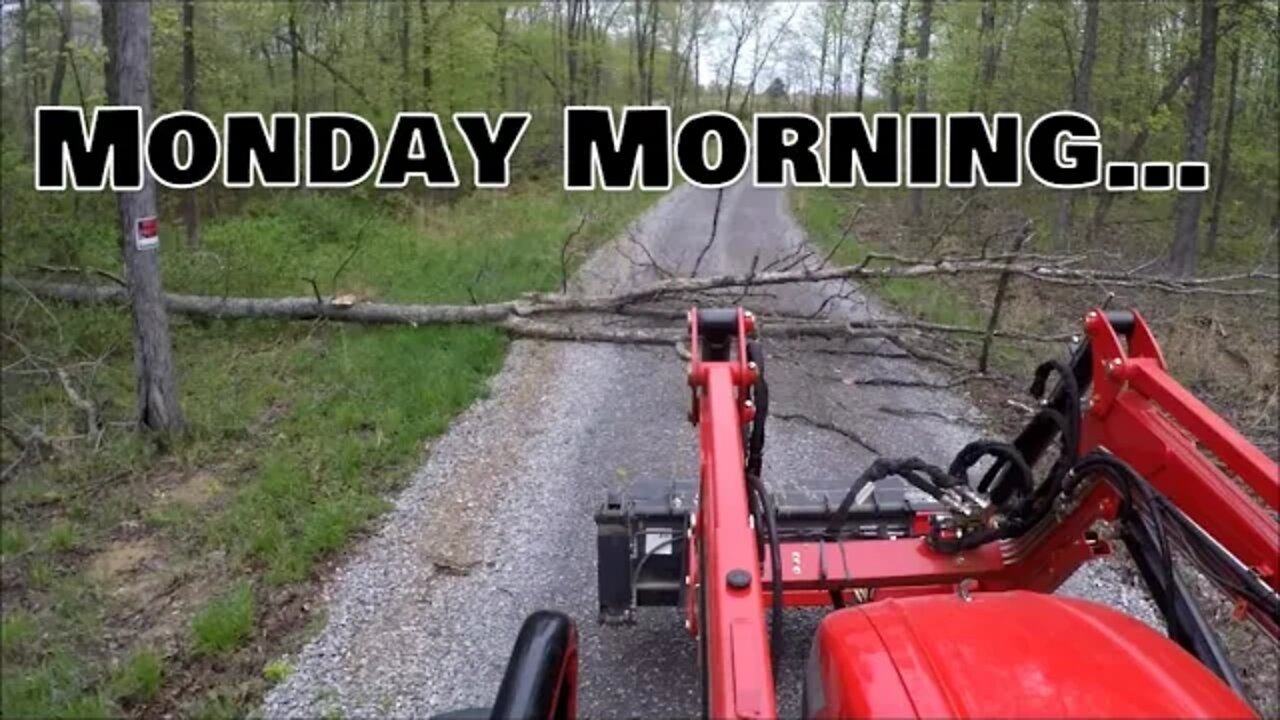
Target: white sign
[146, 234]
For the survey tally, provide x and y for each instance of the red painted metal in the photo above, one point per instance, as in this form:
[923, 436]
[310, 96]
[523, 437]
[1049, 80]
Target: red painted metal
[740, 677]
[1010, 654]
[1135, 411]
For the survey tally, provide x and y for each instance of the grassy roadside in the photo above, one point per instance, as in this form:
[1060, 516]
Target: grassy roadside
[142, 580]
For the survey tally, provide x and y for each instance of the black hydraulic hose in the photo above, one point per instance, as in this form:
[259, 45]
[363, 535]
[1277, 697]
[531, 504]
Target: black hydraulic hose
[759, 396]
[775, 557]
[1067, 420]
[905, 468]
[1003, 452]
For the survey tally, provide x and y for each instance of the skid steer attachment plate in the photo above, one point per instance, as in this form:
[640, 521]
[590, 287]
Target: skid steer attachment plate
[641, 535]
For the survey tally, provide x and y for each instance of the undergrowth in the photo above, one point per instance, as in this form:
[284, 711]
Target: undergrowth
[116, 553]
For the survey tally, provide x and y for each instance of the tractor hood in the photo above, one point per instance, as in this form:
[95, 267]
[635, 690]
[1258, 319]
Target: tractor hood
[1007, 655]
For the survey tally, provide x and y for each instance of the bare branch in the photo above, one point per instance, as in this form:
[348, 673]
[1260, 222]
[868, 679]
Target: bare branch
[715, 222]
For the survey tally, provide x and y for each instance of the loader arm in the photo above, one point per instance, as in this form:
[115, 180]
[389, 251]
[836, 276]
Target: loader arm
[1138, 432]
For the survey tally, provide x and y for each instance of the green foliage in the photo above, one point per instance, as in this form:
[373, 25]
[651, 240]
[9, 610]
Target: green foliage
[55, 687]
[13, 539]
[225, 622]
[17, 632]
[276, 671]
[138, 680]
[61, 537]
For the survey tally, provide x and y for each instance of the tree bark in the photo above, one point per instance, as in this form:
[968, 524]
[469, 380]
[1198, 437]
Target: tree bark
[190, 208]
[642, 54]
[822, 60]
[862, 56]
[402, 38]
[1081, 92]
[157, 385]
[899, 56]
[653, 46]
[990, 62]
[1223, 169]
[1186, 224]
[295, 42]
[426, 31]
[500, 54]
[922, 91]
[837, 75]
[64, 51]
[28, 100]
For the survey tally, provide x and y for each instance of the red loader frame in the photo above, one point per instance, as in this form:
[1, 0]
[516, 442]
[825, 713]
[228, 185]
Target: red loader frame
[1135, 412]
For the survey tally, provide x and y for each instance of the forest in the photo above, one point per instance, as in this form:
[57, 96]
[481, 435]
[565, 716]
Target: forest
[193, 438]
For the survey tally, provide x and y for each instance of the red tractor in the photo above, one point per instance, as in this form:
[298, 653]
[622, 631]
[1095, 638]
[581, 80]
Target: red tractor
[943, 608]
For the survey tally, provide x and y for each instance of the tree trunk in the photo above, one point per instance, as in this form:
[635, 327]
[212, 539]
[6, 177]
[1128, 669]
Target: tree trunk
[500, 55]
[822, 60]
[653, 46]
[1223, 169]
[425, 31]
[403, 40]
[129, 52]
[990, 55]
[1081, 92]
[922, 91]
[64, 50]
[642, 54]
[1134, 151]
[24, 70]
[837, 76]
[1186, 224]
[571, 51]
[190, 208]
[295, 102]
[899, 55]
[862, 56]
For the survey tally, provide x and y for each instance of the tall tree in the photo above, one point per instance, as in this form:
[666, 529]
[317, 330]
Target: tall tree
[922, 89]
[864, 53]
[1081, 102]
[989, 61]
[24, 64]
[425, 31]
[1186, 223]
[1223, 167]
[825, 16]
[64, 51]
[190, 208]
[126, 27]
[837, 71]
[295, 69]
[899, 57]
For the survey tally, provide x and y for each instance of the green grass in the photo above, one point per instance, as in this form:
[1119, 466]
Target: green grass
[138, 680]
[306, 428]
[62, 536]
[276, 671]
[225, 622]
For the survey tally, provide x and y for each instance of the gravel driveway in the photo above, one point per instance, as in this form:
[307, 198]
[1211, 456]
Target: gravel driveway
[498, 522]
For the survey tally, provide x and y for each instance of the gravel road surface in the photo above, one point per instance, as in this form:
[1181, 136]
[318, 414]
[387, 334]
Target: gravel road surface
[498, 522]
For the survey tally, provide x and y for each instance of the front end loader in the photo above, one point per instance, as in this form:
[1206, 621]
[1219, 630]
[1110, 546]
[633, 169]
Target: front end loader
[941, 603]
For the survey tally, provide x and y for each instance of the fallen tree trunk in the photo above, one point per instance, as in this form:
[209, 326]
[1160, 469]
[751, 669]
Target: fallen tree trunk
[511, 316]
[283, 308]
